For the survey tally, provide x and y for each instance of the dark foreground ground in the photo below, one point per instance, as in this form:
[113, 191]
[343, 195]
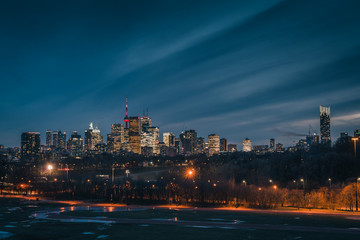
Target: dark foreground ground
[25, 219]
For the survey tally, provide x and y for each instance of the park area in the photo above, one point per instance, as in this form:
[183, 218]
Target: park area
[22, 218]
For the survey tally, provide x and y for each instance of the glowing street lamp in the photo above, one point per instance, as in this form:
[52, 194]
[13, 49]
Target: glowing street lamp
[329, 182]
[190, 173]
[303, 182]
[50, 168]
[244, 182]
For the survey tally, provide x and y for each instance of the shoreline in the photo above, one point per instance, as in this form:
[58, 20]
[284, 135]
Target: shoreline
[283, 210]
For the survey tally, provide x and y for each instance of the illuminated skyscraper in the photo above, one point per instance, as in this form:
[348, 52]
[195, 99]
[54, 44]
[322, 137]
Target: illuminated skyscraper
[247, 145]
[169, 139]
[48, 138]
[134, 135]
[55, 139]
[145, 123]
[325, 125]
[92, 137]
[223, 145]
[155, 140]
[213, 144]
[118, 138]
[75, 145]
[30, 145]
[59, 140]
[189, 141]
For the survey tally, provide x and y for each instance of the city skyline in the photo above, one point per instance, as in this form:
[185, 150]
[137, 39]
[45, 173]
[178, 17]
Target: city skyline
[231, 68]
[125, 120]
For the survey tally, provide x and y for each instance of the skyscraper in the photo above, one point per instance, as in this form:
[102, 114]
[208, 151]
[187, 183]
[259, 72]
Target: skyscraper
[117, 134]
[134, 135]
[145, 123]
[92, 137]
[48, 138]
[169, 139]
[189, 141]
[213, 144]
[59, 139]
[30, 145]
[325, 125]
[155, 140]
[223, 145]
[75, 145]
[55, 139]
[247, 145]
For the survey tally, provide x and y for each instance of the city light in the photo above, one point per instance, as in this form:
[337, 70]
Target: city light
[50, 167]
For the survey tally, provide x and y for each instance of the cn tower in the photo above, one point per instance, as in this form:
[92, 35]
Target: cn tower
[126, 118]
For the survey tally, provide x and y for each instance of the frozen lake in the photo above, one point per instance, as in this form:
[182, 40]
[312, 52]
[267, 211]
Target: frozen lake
[23, 219]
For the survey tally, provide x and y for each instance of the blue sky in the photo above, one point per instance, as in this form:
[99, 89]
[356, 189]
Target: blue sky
[256, 69]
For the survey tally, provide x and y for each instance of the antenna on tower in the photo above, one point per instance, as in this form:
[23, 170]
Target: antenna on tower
[147, 111]
[126, 118]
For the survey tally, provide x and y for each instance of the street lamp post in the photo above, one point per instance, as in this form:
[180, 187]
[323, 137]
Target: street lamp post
[50, 168]
[329, 182]
[356, 182]
[303, 182]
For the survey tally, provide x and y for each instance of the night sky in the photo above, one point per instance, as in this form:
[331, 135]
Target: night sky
[256, 69]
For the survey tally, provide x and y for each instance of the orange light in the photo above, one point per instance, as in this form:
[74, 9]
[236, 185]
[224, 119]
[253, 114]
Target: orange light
[275, 187]
[259, 188]
[214, 184]
[190, 173]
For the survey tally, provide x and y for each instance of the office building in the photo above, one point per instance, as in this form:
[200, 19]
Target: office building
[223, 145]
[30, 145]
[169, 139]
[189, 141]
[92, 137]
[145, 123]
[117, 138]
[48, 139]
[213, 144]
[325, 125]
[247, 145]
[75, 145]
[134, 135]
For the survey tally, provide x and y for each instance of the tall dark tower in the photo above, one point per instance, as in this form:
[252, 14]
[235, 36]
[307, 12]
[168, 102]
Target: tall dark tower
[325, 125]
[126, 118]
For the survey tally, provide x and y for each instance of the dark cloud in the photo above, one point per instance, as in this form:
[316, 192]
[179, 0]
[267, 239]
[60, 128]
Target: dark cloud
[238, 68]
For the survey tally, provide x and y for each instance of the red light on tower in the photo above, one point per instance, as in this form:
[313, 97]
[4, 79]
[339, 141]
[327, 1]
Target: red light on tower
[126, 118]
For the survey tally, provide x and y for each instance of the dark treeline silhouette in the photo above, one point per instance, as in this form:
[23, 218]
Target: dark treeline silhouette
[320, 178]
